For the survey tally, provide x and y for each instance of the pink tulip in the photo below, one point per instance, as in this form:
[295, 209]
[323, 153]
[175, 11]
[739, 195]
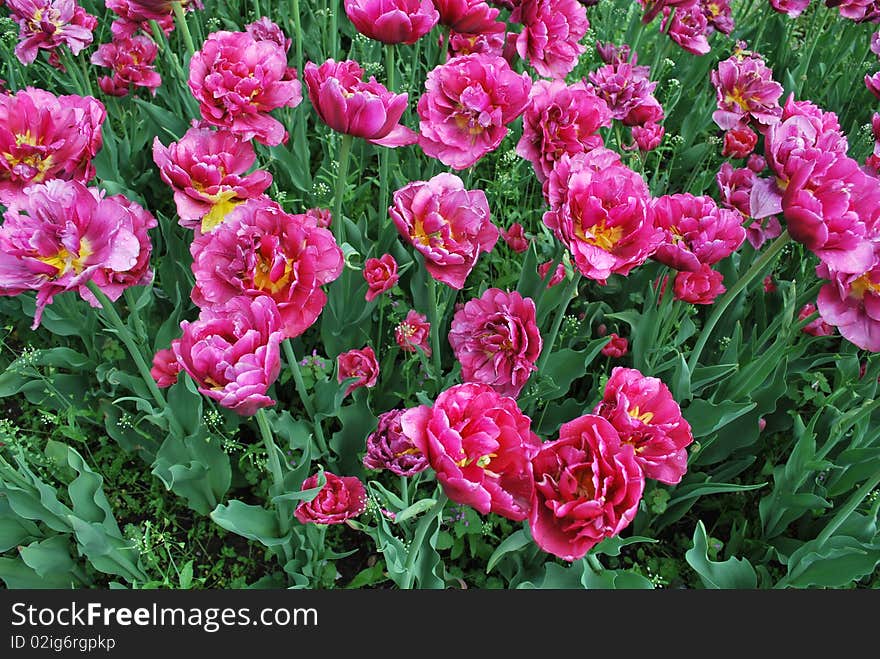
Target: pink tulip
[700, 287]
[648, 137]
[261, 250]
[480, 445]
[696, 231]
[59, 235]
[719, 15]
[138, 13]
[165, 368]
[468, 104]
[851, 303]
[206, 169]
[551, 34]
[469, 16]
[392, 21]
[739, 142]
[587, 488]
[688, 28]
[449, 225]
[341, 498]
[617, 347]
[388, 448]
[238, 80]
[349, 105]
[599, 210]
[233, 352]
[414, 332]
[624, 87]
[497, 341]
[360, 364]
[645, 415]
[515, 238]
[558, 274]
[43, 136]
[745, 90]
[264, 29]
[793, 8]
[381, 275]
[817, 326]
[560, 119]
[132, 60]
[48, 24]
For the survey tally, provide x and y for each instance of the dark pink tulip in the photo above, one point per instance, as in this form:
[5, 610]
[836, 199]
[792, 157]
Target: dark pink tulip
[381, 275]
[392, 21]
[264, 29]
[48, 24]
[341, 498]
[688, 28]
[817, 326]
[700, 287]
[388, 448]
[793, 8]
[739, 142]
[132, 60]
[469, 16]
[617, 347]
[648, 137]
[745, 90]
[414, 332]
[480, 445]
[165, 368]
[515, 238]
[587, 488]
[851, 303]
[238, 80]
[495, 338]
[349, 105]
[360, 364]
[551, 34]
[645, 415]
[448, 224]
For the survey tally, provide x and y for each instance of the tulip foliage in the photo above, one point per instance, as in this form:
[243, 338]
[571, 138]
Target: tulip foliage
[439, 293]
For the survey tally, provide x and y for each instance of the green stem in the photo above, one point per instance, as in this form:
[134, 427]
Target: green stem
[421, 530]
[341, 181]
[434, 319]
[756, 269]
[304, 395]
[848, 508]
[297, 25]
[277, 478]
[180, 20]
[404, 489]
[557, 322]
[594, 563]
[128, 339]
[385, 154]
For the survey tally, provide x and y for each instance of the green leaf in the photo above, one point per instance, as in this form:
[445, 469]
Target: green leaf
[185, 403]
[49, 557]
[16, 575]
[839, 562]
[706, 417]
[612, 546]
[196, 468]
[251, 522]
[414, 510]
[512, 543]
[566, 365]
[369, 576]
[732, 573]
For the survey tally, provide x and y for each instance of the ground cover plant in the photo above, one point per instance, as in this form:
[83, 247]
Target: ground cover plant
[439, 294]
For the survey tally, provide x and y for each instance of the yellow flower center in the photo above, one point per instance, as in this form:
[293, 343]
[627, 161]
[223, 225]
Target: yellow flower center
[864, 285]
[736, 96]
[263, 279]
[601, 236]
[224, 202]
[644, 417]
[63, 261]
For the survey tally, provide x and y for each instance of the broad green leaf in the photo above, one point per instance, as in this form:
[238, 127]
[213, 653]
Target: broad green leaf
[512, 543]
[251, 522]
[732, 573]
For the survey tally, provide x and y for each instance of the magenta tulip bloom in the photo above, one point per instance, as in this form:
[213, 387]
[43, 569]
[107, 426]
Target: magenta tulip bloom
[558, 274]
[341, 498]
[43, 136]
[480, 444]
[560, 119]
[624, 87]
[587, 488]
[617, 347]
[392, 21]
[551, 34]
[206, 169]
[261, 250]
[648, 137]
[132, 58]
[469, 16]
[414, 332]
[851, 303]
[59, 235]
[515, 238]
[468, 104]
[360, 364]
[496, 339]
[349, 105]
[233, 352]
[264, 29]
[388, 448]
[238, 80]
[696, 231]
[745, 91]
[645, 415]
[793, 8]
[700, 287]
[449, 225]
[48, 24]
[688, 28]
[599, 210]
[381, 275]
[165, 368]
[817, 326]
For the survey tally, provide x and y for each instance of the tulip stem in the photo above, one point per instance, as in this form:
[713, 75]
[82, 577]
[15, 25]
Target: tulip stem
[570, 290]
[304, 395]
[342, 159]
[297, 27]
[756, 269]
[180, 19]
[277, 488]
[134, 350]
[434, 319]
[386, 154]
